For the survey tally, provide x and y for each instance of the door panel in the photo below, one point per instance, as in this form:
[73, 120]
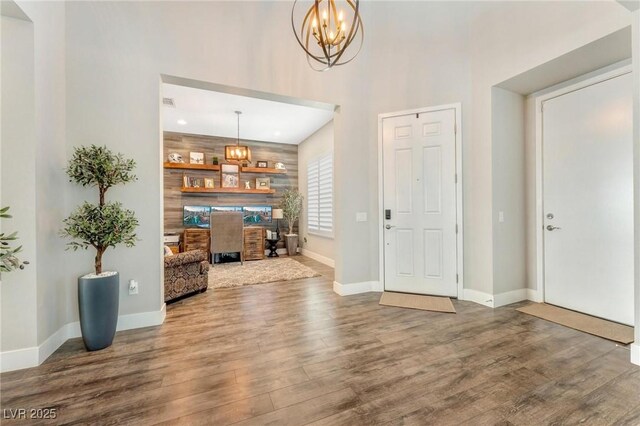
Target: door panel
[588, 196]
[419, 189]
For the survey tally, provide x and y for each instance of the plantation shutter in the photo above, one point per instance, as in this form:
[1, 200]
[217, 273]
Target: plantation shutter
[320, 196]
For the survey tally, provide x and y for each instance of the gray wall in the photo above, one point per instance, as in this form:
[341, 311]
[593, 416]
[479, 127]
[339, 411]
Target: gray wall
[318, 144]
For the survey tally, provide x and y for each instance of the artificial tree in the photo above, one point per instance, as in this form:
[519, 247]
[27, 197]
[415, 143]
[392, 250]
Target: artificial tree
[106, 224]
[100, 226]
[8, 259]
[291, 205]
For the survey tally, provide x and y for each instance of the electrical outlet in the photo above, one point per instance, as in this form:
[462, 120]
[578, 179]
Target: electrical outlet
[133, 287]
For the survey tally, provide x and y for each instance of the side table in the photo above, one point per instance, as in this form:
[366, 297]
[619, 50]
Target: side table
[273, 246]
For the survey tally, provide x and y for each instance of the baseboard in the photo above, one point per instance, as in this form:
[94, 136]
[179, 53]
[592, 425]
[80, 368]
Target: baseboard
[320, 258]
[279, 251]
[18, 359]
[533, 295]
[478, 297]
[509, 297]
[356, 288]
[36, 355]
[635, 353]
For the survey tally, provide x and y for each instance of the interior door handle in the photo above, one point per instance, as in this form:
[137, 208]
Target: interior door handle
[552, 228]
[389, 226]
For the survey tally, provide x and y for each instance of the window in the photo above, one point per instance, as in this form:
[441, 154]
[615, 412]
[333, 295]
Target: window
[320, 196]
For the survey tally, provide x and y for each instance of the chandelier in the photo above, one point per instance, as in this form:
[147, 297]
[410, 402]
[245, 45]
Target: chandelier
[237, 152]
[326, 33]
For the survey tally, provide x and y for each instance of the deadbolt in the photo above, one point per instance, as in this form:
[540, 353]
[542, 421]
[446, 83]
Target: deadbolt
[549, 215]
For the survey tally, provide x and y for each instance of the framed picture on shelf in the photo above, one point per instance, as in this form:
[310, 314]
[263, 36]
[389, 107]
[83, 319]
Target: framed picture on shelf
[208, 183]
[196, 157]
[263, 183]
[262, 164]
[230, 176]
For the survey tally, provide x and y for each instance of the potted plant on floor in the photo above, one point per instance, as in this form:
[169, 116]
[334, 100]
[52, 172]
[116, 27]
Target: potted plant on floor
[291, 206]
[100, 226]
[8, 259]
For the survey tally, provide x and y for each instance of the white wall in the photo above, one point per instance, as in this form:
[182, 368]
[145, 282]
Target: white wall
[508, 188]
[18, 146]
[318, 144]
[635, 349]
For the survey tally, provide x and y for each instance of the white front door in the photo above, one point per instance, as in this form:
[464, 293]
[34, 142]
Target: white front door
[588, 200]
[419, 166]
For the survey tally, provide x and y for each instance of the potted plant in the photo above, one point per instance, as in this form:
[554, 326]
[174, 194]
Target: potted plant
[100, 226]
[291, 206]
[215, 161]
[8, 259]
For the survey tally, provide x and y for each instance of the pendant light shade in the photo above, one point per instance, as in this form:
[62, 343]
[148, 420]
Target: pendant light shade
[237, 152]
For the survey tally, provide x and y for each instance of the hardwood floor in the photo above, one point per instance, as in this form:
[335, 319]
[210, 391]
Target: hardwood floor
[297, 353]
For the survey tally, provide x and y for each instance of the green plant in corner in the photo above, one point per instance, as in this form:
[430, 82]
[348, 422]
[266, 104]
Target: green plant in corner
[106, 224]
[291, 205]
[8, 259]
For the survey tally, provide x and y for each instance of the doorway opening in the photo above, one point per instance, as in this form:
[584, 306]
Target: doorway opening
[232, 158]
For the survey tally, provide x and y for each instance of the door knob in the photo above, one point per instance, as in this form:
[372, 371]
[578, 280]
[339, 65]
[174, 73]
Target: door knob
[552, 228]
[389, 226]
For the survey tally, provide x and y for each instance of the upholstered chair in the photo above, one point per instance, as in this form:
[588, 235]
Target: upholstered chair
[185, 273]
[227, 233]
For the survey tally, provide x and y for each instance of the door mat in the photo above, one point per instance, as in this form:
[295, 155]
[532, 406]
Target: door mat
[598, 327]
[416, 301]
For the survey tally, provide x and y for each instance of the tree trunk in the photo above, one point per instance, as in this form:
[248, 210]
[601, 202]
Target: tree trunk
[102, 192]
[290, 227]
[99, 254]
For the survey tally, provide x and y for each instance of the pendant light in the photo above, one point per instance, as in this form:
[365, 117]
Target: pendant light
[237, 152]
[327, 33]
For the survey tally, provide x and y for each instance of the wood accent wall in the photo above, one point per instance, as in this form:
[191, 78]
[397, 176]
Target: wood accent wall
[213, 146]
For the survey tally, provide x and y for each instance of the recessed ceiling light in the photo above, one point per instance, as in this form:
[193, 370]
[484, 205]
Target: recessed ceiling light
[277, 133]
[182, 122]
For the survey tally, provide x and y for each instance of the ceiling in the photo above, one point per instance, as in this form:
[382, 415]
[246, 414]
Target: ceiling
[206, 112]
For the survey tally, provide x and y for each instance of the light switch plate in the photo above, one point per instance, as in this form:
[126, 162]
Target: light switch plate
[361, 217]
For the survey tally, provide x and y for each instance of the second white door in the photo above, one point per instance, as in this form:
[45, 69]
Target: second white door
[419, 158]
[588, 200]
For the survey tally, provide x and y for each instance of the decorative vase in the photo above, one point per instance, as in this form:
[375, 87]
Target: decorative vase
[98, 300]
[292, 244]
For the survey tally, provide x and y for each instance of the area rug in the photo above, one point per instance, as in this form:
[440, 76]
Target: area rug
[415, 301]
[578, 321]
[234, 274]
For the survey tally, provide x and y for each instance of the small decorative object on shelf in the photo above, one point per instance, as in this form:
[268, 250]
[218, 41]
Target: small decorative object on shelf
[174, 157]
[215, 161]
[209, 183]
[262, 164]
[279, 166]
[230, 176]
[193, 182]
[263, 183]
[196, 157]
[247, 185]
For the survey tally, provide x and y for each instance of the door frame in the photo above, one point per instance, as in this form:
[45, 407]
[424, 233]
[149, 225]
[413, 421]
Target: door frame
[457, 107]
[538, 295]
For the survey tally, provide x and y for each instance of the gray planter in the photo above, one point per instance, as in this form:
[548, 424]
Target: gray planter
[292, 244]
[98, 300]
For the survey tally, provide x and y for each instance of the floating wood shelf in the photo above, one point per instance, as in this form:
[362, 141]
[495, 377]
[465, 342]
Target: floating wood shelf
[264, 170]
[187, 166]
[227, 191]
[216, 168]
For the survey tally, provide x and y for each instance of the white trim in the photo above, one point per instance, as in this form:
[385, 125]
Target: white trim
[539, 158]
[36, 355]
[635, 353]
[320, 258]
[533, 295]
[459, 194]
[356, 288]
[509, 297]
[478, 297]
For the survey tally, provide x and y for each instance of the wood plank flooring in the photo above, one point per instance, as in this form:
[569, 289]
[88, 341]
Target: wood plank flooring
[297, 353]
